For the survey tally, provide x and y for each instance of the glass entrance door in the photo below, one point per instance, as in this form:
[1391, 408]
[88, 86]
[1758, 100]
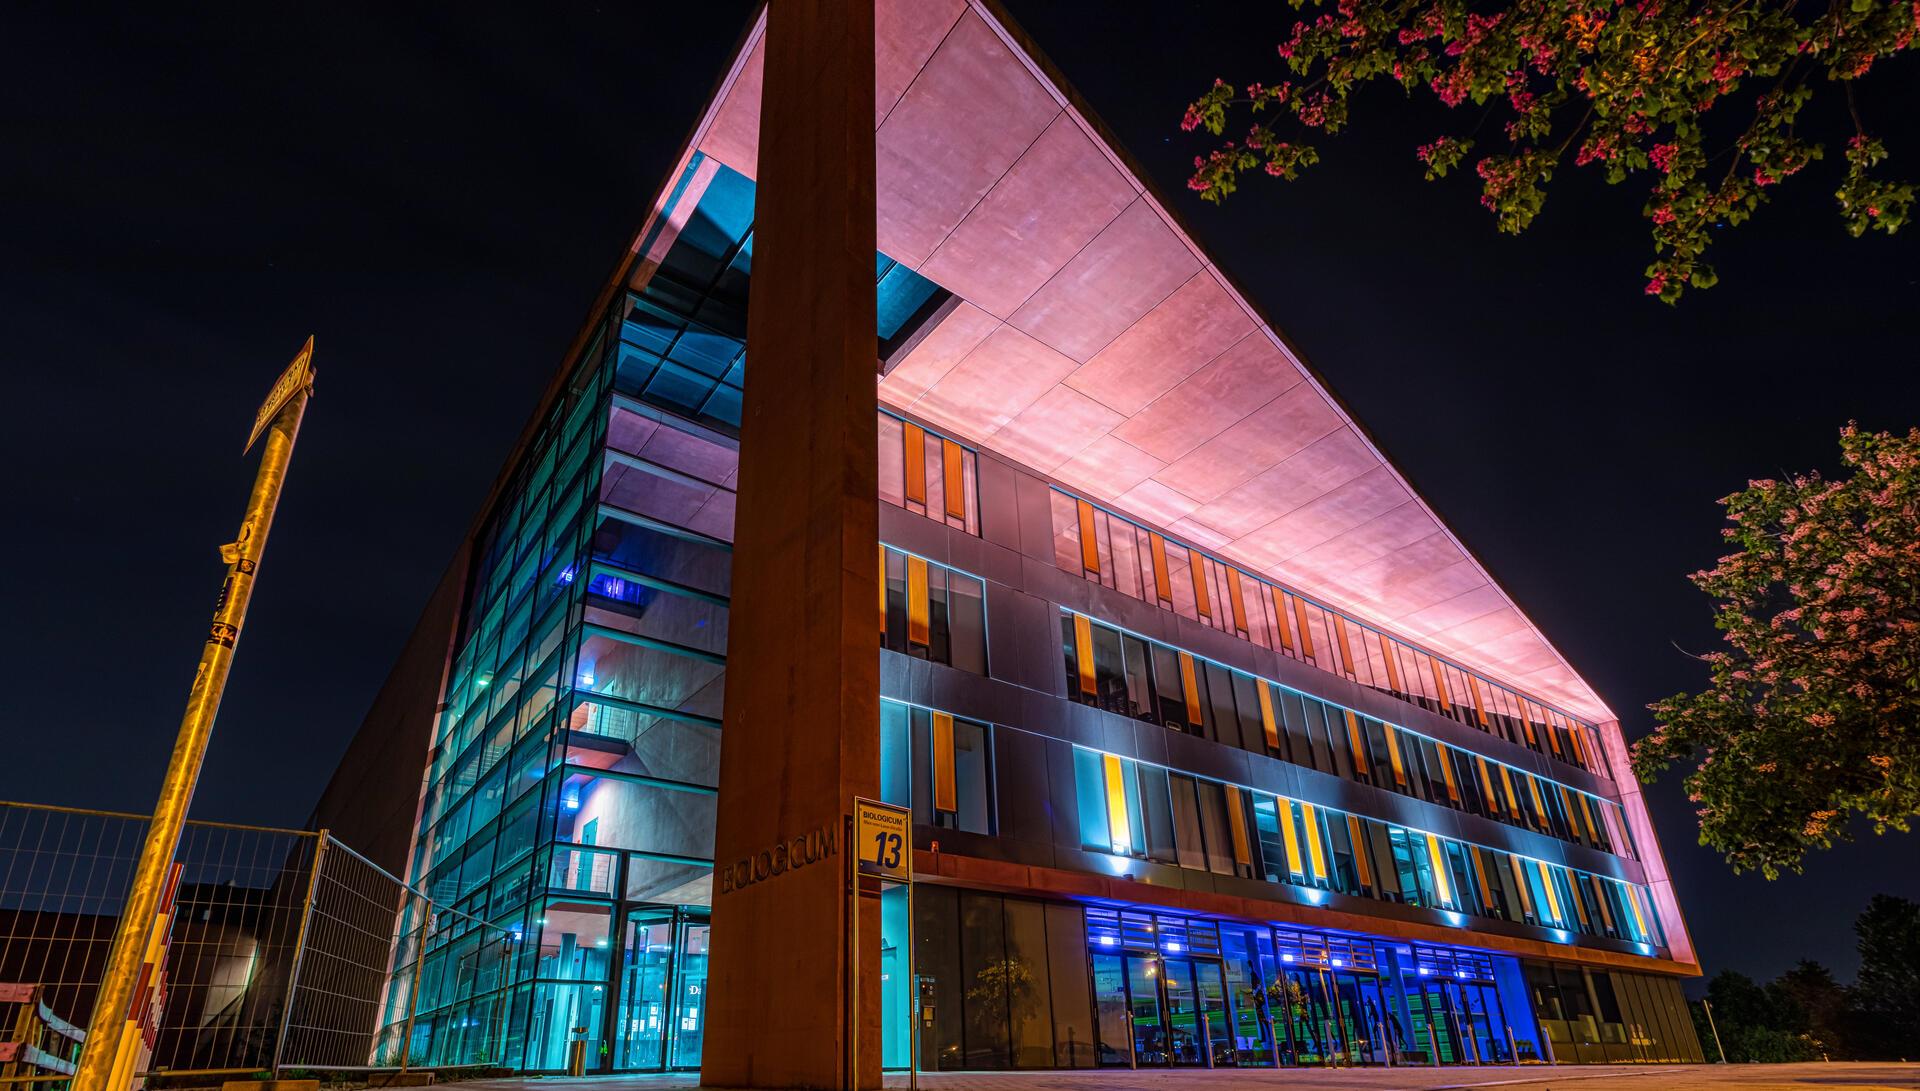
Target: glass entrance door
[1184, 1036]
[1363, 1010]
[1477, 1014]
[646, 959]
[690, 990]
[1435, 1030]
[662, 1015]
[1150, 1042]
[1157, 1012]
[1303, 1015]
[1199, 1031]
[1215, 1025]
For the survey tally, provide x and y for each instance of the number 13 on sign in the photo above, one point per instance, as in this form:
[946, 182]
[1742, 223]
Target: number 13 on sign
[880, 838]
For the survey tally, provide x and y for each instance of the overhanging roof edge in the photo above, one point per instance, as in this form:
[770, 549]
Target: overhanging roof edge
[1029, 53]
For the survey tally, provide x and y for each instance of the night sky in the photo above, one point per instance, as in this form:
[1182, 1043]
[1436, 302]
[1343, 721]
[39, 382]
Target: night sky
[438, 196]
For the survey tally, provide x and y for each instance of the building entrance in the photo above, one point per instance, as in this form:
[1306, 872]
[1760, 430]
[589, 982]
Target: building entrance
[1157, 1012]
[660, 1021]
[1467, 1023]
[1331, 1017]
[1455, 1010]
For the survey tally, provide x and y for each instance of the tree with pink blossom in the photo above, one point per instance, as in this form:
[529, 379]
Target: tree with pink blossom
[1811, 719]
[1702, 97]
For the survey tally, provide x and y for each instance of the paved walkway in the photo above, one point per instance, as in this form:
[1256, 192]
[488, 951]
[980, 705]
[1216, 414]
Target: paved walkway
[1829, 1077]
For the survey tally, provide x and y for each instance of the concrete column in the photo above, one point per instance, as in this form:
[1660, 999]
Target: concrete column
[801, 732]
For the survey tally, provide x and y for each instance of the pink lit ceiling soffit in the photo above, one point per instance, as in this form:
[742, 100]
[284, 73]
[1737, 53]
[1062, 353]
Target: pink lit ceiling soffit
[1095, 342]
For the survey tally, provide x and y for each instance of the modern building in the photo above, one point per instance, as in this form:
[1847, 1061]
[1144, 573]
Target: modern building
[1220, 748]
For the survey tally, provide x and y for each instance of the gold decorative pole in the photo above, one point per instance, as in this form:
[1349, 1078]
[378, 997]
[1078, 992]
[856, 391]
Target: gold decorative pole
[279, 417]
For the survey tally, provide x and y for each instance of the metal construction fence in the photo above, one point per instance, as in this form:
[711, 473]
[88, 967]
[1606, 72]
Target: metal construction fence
[284, 948]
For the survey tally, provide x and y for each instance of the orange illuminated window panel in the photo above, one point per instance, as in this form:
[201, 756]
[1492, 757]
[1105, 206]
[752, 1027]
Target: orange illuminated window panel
[1633, 903]
[1315, 854]
[1579, 903]
[1360, 849]
[1486, 783]
[1119, 824]
[1600, 899]
[1393, 755]
[1237, 825]
[1340, 640]
[1083, 654]
[1198, 566]
[1480, 873]
[1360, 853]
[1236, 599]
[1593, 828]
[918, 629]
[1520, 881]
[1191, 684]
[1162, 583]
[916, 453]
[1089, 548]
[1291, 835]
[1553, 896]
[1513, 801]
[1442, 883]
[1539, 805]
[955, 475]
[945, 792]
[1357, 744]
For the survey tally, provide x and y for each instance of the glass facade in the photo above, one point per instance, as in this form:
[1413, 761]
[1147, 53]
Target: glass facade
[1147, 680]
[572, 788]
[1115, 552]
[571, 794]
[1012, 983]
[1130, 809]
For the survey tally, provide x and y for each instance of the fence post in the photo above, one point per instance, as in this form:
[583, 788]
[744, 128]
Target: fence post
[299, 949]
[413, 994]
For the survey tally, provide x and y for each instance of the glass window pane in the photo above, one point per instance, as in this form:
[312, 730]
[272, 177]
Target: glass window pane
[1186, 823]
[1089, 783]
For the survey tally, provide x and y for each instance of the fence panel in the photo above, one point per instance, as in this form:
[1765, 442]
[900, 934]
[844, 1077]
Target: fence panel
[283, 950]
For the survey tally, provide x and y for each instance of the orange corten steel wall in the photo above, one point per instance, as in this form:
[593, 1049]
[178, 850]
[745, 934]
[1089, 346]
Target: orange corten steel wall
[803, 662]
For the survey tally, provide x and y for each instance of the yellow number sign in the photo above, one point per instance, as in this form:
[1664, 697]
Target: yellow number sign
[882, 839]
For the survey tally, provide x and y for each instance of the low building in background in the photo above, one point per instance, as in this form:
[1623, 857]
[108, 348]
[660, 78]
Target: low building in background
[1221, 749]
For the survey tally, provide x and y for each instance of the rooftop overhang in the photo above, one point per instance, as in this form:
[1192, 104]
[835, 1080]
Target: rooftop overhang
[1095, 342]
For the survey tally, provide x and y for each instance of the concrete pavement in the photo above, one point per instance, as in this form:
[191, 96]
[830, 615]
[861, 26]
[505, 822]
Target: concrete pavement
[1828, 1077]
